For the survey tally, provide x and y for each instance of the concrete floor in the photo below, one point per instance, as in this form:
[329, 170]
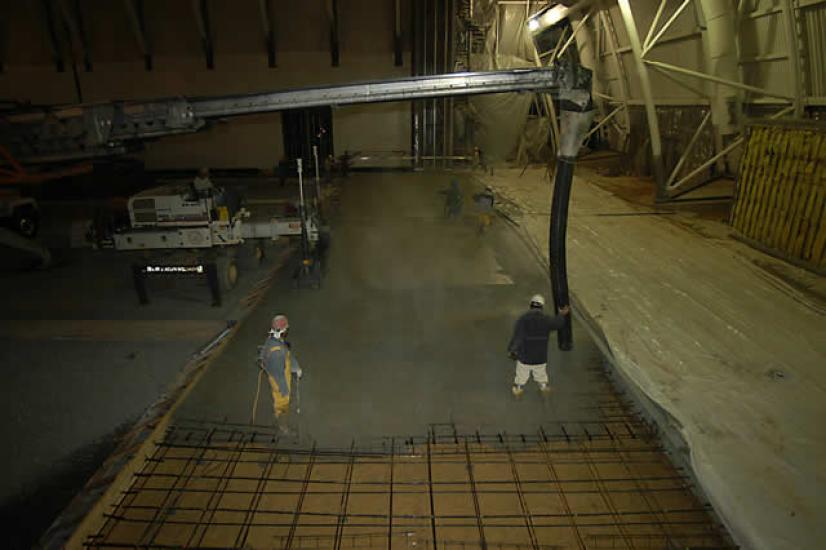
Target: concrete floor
[409, 328]
[80, 361]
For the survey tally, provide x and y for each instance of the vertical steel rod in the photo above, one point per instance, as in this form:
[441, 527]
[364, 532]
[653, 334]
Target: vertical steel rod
[483, 545]
[390, 497]
[430, 490]
[297, 514]
[435, 101]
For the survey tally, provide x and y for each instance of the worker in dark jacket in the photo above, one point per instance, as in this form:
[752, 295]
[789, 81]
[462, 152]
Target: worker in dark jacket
[453, 200]
[529, 344]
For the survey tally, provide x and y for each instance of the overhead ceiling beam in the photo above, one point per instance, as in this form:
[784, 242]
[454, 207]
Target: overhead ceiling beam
[265, 7]
[74, 22]
[201, 9]
[134, 8]
[332, 14]
[51, 30]
[397, 33]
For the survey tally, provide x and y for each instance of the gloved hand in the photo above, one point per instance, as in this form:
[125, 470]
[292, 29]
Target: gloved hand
[299, 373]
[512, 355]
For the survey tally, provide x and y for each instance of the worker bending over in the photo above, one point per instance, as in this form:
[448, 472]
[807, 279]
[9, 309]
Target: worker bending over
[280, 366]
[529, 344]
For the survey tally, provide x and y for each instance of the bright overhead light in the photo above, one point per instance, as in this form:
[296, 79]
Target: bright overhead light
[548, 18]
[554, 15]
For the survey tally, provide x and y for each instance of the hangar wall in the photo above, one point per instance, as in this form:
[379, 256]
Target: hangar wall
[302, 36]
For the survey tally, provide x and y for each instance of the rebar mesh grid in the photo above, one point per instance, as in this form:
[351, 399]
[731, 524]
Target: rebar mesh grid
[237, 487]
[585, 484]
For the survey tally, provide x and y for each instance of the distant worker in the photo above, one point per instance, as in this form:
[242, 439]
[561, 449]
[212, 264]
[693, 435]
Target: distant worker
[479, 159]
[280, 365]
[453, 200]
[484, 207]
[529, 344]
[202, 184]
[329, 168]
[344, 163]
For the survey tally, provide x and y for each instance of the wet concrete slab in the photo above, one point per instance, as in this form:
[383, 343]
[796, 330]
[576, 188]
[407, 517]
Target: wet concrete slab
[409, 328]
[407, 431]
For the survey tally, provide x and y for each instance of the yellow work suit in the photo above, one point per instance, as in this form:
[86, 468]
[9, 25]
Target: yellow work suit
[279, 365]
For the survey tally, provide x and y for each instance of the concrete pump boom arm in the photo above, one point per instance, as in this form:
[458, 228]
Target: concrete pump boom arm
[87, 131]
[74, 132]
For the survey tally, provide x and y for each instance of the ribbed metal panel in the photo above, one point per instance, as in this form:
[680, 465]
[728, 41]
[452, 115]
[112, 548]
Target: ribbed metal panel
[813, 20]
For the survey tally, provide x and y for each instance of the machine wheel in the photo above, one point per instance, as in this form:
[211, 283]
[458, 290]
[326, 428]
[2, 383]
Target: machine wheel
[27, 222]
[227, 272]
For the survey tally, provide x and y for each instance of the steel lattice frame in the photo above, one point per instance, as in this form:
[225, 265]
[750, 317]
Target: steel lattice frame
[673, 180]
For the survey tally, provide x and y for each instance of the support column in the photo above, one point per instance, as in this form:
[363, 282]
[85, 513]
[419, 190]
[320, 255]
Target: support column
[647, 97]
[397, 34]
[54, 40]
[73, 19]
[332, 7]
[265, 7]
[134, 8]
[793, 50]
[721, 60]
[202, 19]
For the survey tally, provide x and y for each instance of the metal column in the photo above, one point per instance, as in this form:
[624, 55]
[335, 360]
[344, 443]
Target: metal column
[647, 96]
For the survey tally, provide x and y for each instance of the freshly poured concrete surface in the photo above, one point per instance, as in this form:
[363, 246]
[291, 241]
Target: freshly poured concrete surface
[409, 328]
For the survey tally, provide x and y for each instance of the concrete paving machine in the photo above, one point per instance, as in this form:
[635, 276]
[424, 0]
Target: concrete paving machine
[205, 227]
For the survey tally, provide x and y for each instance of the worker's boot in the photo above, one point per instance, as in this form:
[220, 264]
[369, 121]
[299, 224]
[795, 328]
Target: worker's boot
[545, 389]
[283, 426]
[517, 391]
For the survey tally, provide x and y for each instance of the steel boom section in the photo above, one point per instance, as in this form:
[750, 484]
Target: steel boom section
[453, 84]
[103, 129]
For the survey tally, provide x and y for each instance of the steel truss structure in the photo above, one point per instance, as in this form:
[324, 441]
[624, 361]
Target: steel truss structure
[594, 24]
[584, 484]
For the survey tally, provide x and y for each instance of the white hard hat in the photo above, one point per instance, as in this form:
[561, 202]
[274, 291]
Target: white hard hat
[538, 299]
